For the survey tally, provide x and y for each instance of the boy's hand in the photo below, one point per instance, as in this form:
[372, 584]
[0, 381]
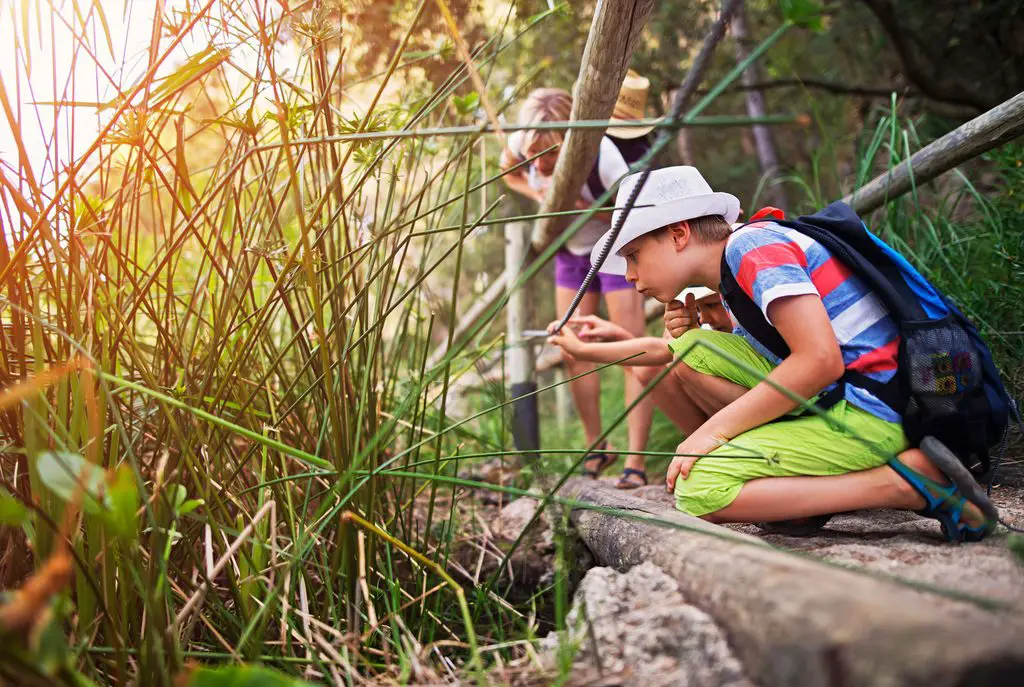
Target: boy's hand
[594, 328]
[681, 317]
[691, 450]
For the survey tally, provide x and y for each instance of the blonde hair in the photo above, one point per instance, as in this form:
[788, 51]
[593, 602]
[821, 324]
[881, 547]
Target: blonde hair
[544, 105]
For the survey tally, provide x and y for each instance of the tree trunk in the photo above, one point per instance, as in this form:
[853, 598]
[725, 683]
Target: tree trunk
[793, 620]
[684, 147]
[775, 194]
[610, 44]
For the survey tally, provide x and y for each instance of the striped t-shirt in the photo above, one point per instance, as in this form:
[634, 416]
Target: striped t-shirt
[771, 261]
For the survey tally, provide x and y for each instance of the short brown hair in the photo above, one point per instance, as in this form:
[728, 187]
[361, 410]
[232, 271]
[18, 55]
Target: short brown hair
[709, 228]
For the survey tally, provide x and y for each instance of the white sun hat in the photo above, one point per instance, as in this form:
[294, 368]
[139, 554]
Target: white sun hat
[671, 194]
[698, 292]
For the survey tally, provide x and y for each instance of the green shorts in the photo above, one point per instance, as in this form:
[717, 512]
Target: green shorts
[806, 446]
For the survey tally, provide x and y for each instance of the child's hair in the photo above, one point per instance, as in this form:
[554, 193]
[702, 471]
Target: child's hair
[544, 105]
[707, 229]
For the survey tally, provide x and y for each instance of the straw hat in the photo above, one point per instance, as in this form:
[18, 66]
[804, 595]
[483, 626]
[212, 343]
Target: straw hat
[631, 106]
[671, 194]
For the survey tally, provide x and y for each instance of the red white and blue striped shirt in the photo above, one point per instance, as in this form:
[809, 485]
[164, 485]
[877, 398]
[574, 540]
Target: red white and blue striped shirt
[771, 261]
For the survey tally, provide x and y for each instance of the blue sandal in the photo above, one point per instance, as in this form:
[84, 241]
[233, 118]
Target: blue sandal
[624, 483]
[946, 503]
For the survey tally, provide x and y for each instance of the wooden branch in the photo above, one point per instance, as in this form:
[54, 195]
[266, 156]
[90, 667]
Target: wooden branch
[823, 85]
[1002, 123]
[610, 45]
[914, 67]
[793, 620]
[482, 304]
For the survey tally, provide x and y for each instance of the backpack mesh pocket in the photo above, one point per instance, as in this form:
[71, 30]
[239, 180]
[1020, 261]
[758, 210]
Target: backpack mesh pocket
[943, 361]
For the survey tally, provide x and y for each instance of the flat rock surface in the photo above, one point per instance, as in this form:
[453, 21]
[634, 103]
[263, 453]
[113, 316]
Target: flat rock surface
[904, 544]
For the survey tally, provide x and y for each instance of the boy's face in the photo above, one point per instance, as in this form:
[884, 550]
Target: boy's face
[657, 264]
[713, 313]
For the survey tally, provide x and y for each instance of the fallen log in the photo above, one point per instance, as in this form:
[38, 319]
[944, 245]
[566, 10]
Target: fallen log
[793, 620]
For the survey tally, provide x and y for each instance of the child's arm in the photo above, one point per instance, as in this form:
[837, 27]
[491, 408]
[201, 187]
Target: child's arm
[516, 179]
[648, 350]
[594, 328]
[815, 361]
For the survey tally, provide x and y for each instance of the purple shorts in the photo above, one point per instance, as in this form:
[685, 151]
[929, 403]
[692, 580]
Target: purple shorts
[571, 269]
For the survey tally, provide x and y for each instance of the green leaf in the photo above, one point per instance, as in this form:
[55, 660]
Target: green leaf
[1015, 542]
[190, 506]
[181, 504]
[190, 70]
[123, 498]
[177, 498]
[242, 676]
[11, 510]
[806, 14]
[68, 474]
[466, 104]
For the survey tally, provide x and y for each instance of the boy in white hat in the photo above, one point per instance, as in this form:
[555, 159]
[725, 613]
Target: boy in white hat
[592, 339]
[737, 464]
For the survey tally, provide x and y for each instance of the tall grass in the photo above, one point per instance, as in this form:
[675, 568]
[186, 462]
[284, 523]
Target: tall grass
[216, 320]
[220, 426]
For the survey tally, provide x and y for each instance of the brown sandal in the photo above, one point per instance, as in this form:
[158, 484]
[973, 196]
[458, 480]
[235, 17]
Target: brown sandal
[603, 461]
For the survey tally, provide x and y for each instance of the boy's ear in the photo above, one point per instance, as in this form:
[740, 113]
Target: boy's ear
[680, 233]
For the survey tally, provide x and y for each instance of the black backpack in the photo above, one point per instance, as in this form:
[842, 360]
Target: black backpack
[946, 384]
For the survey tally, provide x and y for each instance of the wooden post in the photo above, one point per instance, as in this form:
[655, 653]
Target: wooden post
[521, 362]
[610, 44]
[1002, 123]
[563, 399]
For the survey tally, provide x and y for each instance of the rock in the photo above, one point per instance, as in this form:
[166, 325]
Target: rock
[637, 628]
[905, 544]
[514, 517]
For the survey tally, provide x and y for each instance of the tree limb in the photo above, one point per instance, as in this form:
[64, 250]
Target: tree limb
[913, 68]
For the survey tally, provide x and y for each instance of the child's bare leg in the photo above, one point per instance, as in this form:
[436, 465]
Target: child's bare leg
[638, 423]
[786, 498]
[670, 398]
[626, 308]
[710, 393]
[586, 391]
